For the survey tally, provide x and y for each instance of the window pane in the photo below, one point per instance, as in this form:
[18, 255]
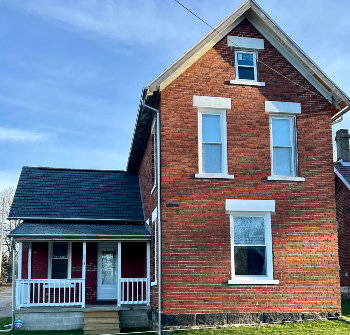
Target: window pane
[211, 128]
[246, 73]
[59, 268]
[282, 161]
[245, 59]
[109, 267]
[281, 132]
[60, 250]
[250, 261]
[249, 230]
[211, 158]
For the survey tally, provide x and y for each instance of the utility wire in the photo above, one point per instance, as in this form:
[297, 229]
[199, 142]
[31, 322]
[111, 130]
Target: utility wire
[295, 83]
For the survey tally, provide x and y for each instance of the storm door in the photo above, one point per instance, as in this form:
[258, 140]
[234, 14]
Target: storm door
[107, 272]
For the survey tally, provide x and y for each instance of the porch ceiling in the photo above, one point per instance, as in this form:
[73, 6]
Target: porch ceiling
[80, 231]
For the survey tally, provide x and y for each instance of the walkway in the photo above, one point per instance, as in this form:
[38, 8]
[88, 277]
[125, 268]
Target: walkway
[5, 302]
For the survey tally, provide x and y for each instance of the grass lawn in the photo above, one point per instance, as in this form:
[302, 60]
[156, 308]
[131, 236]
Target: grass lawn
[334, 327]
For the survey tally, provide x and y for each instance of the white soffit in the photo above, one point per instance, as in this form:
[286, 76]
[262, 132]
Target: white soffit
[282, 107]
[211, 102]
[245, 42]
[235, 205]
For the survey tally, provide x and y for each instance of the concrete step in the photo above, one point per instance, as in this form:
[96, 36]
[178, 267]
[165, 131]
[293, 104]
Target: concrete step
[101, 314]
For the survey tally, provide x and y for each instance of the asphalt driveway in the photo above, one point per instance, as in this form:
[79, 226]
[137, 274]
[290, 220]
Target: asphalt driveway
[5, 302]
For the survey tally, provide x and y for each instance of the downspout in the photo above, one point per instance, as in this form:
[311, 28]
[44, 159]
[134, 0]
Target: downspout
[159, 224]
[13, 286]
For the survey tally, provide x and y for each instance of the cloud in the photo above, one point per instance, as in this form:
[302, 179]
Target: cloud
[126, 21]
[18, 135]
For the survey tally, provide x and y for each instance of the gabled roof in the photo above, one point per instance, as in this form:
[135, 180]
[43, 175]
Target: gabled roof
[274, 34]
[342, 170]
[71, 194]
[251, 11]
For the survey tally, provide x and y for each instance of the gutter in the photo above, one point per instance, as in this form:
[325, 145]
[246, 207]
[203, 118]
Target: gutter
[158, 217]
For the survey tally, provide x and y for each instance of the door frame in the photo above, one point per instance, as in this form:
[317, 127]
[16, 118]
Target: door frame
[101, 245]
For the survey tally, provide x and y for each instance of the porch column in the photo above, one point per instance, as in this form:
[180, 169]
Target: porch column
[30, 261]
[148, 260]
[83, 275]
[19, 265]
[119, 271]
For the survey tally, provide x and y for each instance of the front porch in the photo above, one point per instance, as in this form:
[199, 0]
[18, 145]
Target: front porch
[80, 274]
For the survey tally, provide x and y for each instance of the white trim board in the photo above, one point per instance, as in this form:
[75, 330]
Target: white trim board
[245, 42]
[282, 107]
[211, 102]
[341, 178]
[238, 205]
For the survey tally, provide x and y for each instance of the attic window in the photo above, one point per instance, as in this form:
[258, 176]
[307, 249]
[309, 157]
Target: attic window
[246, 67]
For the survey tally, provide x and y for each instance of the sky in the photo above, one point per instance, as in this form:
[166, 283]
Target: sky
[72, 71]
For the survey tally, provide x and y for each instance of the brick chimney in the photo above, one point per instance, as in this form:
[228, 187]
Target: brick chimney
[343, 148]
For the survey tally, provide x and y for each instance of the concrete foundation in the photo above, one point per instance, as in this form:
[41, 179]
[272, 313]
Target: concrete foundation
[67, 318]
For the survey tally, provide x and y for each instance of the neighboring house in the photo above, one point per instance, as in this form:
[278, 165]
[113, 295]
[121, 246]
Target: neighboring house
[342, 195]
[225, 153]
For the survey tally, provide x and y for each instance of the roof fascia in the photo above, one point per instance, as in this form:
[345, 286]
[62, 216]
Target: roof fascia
[341, 178]
[73, 219]
[200, 48]
[287, 45]
[63, 237]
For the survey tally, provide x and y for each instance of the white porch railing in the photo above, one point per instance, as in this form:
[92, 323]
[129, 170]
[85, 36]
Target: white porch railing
[50, 292]
[134, 291]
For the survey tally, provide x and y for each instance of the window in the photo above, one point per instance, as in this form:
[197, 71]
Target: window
[251, 241]
[59, 260]
[246, 65]
[283, 145]
[212, 138]
[154, 155]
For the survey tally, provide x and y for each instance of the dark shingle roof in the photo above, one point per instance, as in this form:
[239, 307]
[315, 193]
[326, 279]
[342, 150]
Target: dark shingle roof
[343, 170]
[35, 230]
[73, 194]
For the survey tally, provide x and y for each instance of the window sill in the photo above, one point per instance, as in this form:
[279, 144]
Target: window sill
[247, 82]
[214, 175]
[285, 178]
[153, 188]
[154, 283]
[253, 282]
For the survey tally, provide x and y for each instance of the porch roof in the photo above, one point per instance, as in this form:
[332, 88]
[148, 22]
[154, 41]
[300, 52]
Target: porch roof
[80, 231]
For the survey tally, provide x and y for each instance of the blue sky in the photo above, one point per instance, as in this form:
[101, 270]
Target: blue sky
[71, 72]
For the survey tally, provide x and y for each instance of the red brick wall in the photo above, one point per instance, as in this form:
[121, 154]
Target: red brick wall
[77, 259]
[133, 260]
[196, 236]
[25, 254]
[342, 194]
[39, 260]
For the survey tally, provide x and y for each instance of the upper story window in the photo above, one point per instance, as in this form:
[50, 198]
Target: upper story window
[246, 65]
[283, 140]
[212, 137]
[283, 145]
[154, 155]
[213, 141]
[246, 59]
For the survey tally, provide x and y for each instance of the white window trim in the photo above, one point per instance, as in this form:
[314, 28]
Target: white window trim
[223, 132]
[246, 82]
[237, 207]
[49, 267]
[293, 139]
[154, 222]
[255, 57]
[153, 132]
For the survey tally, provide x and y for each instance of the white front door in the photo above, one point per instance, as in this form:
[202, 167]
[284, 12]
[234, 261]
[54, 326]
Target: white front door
[107, 271]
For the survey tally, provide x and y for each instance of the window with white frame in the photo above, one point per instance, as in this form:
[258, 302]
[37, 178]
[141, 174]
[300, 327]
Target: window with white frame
[246, 65]
[251, 241]
[59, 260]
[154, 155]
[212, 141]
[283, 145]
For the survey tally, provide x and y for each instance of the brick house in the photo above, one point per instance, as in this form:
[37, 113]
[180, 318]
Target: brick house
[237, 216]
[342, 195]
